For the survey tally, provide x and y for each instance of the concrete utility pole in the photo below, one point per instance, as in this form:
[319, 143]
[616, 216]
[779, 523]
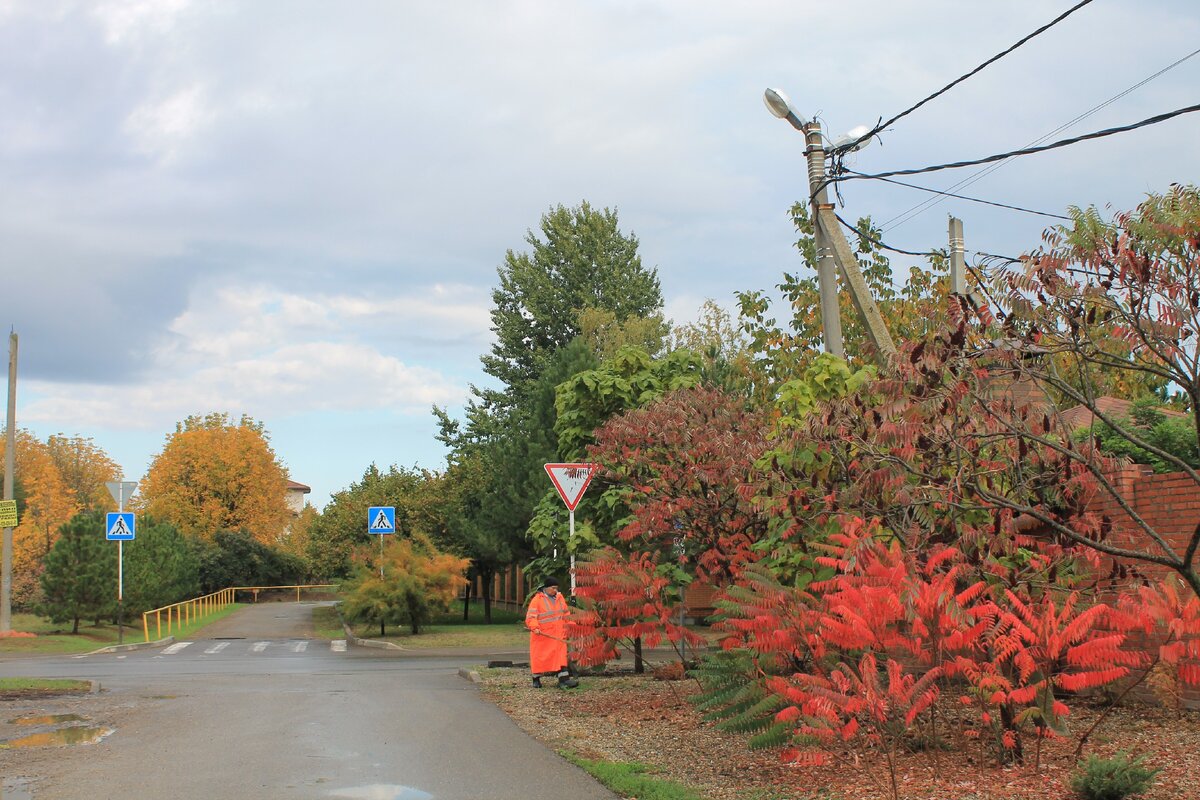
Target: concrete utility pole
[832, 247]
[829, 232]
[958, 261]
[10, 449]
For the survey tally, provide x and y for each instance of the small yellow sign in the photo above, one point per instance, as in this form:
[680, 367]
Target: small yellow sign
[8, 513]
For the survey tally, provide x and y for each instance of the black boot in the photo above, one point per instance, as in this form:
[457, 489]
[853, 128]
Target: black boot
[537, 682]
[565, 681]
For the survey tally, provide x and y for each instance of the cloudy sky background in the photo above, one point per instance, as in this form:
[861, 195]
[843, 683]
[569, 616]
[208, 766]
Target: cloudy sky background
[295, 210]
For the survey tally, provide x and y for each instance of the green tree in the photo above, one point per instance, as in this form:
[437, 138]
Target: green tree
[581, 261]
[161, 567]
[342, 526]
[235, 558]
[417, 581]
[80, 579]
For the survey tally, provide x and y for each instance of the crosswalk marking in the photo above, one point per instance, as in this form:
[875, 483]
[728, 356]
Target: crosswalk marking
[216, 648]
[175, 648]
[338, 645]
[299, 647]
[258, 647]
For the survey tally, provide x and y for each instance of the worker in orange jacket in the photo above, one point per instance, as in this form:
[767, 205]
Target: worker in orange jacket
[546, 620]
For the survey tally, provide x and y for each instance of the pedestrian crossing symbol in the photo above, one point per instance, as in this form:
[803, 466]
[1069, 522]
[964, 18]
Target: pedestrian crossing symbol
[120, 526]
[381, 520]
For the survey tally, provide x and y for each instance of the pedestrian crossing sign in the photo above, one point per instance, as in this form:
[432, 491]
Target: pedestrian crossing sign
[120, 526]
[381, 520]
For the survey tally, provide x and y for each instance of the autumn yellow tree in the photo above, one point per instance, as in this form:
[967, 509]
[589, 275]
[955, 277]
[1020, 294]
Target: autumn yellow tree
[48, 503]
[215, 474]
[85, 468]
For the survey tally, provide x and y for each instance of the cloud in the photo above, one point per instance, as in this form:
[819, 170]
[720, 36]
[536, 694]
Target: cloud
[161, 127]
[276, 353]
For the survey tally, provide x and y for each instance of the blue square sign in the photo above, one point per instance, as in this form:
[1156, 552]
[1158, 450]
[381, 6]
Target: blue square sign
[120, 526]
[381, 520]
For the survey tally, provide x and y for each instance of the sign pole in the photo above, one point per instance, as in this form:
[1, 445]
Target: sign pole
[120, 573]
[116, 522]
[571, 550]
[380, 558]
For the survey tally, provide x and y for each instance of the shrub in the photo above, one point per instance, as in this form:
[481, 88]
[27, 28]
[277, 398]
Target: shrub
[417, 581]
[1112, 778]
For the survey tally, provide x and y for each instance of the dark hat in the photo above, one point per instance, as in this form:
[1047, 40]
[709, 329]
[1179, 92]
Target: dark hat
[550, 582]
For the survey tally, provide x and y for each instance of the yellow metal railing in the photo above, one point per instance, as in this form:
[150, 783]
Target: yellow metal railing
[184, 612]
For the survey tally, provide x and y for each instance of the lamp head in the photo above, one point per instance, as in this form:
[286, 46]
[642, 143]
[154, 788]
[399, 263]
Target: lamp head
[851, 136]
[778, 104]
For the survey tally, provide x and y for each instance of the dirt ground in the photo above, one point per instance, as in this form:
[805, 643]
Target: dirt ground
[636, 718]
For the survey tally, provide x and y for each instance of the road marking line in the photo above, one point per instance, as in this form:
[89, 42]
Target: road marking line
[258, 647]
[299, 647]
[338, 645]
[216, 648]
[175, 648]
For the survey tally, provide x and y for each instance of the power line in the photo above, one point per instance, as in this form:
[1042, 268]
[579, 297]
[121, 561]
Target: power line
[923, 206]
[1024, 151]
[870, 237]
[881, 126]
[944, 194]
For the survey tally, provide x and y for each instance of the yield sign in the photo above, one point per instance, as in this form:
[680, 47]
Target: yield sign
[571, 481]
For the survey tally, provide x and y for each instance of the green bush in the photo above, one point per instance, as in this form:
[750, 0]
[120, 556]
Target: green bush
[1112, 778]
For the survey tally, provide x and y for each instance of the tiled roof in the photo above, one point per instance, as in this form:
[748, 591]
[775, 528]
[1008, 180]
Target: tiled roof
[1081, 416]
[293, 487]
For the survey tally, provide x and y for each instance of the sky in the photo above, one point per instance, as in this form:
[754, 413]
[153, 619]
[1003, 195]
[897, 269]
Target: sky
[295, 210]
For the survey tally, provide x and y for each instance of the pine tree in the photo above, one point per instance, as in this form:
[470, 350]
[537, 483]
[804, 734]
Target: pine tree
[81, 572]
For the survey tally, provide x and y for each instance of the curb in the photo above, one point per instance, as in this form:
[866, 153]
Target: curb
[357, 642]
[120, 648]
[95, 687]
[470, 674]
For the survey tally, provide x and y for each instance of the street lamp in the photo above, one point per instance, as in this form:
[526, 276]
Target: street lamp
[828, 237]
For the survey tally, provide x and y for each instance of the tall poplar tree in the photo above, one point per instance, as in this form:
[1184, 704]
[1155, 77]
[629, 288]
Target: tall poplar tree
[580, 261]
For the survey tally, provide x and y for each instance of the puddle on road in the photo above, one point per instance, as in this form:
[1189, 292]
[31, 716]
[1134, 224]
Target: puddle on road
[49, 719]
[382, 791]
[58, 738]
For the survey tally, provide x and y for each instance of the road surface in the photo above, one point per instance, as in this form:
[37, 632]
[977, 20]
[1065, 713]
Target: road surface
[261, 710]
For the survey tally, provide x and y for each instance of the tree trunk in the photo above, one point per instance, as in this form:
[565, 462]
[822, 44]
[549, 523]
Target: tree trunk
[415, 626]
[382, 633]
[467, 596]
[639, 666]
[75, 627]
[485, 577]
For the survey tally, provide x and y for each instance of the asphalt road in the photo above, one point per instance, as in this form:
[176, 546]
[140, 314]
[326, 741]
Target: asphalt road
[267, 712]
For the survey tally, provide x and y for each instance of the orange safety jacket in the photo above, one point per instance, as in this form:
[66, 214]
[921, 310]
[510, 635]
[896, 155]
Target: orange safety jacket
[546, 620]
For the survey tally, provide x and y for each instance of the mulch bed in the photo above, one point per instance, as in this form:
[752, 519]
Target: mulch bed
[636, 718]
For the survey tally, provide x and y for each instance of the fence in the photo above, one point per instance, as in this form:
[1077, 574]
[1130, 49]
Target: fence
[183, 613]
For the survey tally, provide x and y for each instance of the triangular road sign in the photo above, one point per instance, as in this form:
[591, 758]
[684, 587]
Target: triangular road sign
[121, 491]
[571, 481]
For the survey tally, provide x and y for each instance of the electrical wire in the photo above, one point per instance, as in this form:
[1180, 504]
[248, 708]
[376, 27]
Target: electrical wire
[922, 207]
[882, 125]
[944, 194]
[875, 240]
[1024, 151]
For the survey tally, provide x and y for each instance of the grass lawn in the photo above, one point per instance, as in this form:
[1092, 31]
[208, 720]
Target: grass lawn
[56, 638]
[17, 688]
[507, 631]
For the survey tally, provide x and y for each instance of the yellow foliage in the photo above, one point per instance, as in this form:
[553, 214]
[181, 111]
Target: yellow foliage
[49, 502]
[214, 474]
